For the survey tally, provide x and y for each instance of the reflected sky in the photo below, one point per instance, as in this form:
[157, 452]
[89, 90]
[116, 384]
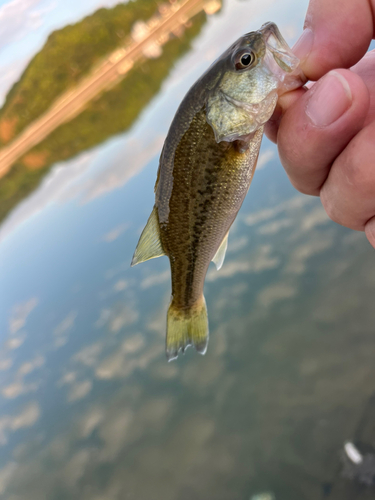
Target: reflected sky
[90, 409]
[25, 26]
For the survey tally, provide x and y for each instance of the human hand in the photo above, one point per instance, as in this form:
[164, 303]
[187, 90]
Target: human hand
[326, 134]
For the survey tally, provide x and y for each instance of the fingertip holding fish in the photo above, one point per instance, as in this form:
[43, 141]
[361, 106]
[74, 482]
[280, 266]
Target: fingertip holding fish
[205, 170]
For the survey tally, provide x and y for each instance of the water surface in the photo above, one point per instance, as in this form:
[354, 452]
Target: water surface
[91, 410]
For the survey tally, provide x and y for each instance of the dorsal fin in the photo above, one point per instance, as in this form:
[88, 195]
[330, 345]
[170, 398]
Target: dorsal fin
[149, 244]
[219, 256]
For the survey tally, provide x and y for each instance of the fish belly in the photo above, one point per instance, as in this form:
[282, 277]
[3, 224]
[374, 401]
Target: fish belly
[210, 181]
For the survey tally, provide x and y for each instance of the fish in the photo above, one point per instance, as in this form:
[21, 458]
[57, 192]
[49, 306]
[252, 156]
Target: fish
[205, 170]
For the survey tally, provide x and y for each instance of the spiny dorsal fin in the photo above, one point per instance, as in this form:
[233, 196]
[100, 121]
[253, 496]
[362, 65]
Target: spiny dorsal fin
[219, 256]
[149, 244]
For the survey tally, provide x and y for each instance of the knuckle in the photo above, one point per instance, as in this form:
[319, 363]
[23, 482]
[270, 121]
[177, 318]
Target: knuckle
[305, 187]
[331, 208]
[358, 176]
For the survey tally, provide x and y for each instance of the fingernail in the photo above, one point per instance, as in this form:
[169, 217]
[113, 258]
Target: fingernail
[303, 45]
[330, 98]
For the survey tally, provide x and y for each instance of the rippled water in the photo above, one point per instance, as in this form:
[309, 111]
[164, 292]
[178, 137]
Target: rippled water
[90, 409]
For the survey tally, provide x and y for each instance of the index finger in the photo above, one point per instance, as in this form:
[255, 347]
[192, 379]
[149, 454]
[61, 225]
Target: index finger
[336, 35]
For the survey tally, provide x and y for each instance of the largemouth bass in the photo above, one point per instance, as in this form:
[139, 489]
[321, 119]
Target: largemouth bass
[205, 170]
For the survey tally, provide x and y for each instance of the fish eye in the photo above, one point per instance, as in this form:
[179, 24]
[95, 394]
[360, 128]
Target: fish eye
[244, 59]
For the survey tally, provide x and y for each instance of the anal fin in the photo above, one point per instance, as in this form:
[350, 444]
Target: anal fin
[219, 256]
[149, 244]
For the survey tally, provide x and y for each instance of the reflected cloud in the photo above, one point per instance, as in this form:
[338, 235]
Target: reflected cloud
[295, 203]
[117, 318]
[15, 342]
[115, 233]
[59, 184]
[89, 355]
[111, 273]
[76, 466]
[120, 285]
[79, 390]
[316, 217]
[19, 387]
[5, 364]
[165, 371]
[62, 330]
[298, 259]
[208, 374]
[353, 237]
[66, 325]
[115, 431]
[274, 227]
[261, 216]
[129, 356]
[6, 474]
[275, 293]
[191, 439]
[157, 323]
[113, 491]
[19, 17]
[125, 317]
[67, 378]
[91, 421]
[237, 244]
[11, 423]
[20, 313]
[261, 261]
[156, 279]
[30, 366]
[76, 389]
[265, 158]
[120, 428]
[137, 154]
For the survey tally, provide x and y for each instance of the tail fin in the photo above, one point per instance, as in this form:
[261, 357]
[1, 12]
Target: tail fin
[185, 328]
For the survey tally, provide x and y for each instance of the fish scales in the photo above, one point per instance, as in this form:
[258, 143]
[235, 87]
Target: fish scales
[210, 182]
[205, 170]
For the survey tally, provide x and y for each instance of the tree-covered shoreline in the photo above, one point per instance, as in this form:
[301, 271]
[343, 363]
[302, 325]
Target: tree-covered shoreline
[68, 55]
[112, 112]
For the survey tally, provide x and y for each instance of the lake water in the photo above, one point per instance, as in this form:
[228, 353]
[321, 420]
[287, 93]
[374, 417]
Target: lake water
[89, 407]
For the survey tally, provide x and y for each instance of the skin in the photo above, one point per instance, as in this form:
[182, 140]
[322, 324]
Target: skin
[210, 182]
[326, 133]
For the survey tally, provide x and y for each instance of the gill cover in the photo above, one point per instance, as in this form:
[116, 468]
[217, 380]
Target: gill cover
[245, 97]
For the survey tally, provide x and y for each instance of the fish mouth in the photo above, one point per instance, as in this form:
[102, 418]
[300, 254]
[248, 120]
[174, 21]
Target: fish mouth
[281, 60]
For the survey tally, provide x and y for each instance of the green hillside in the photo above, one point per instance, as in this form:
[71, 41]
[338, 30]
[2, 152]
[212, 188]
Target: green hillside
[68, 54]
[111, 113]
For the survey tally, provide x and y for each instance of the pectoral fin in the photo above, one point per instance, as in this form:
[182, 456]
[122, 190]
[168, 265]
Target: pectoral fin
[149, 244]
[220, 254]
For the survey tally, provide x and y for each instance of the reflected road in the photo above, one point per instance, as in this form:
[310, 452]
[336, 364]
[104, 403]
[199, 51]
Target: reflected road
[113, 69]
